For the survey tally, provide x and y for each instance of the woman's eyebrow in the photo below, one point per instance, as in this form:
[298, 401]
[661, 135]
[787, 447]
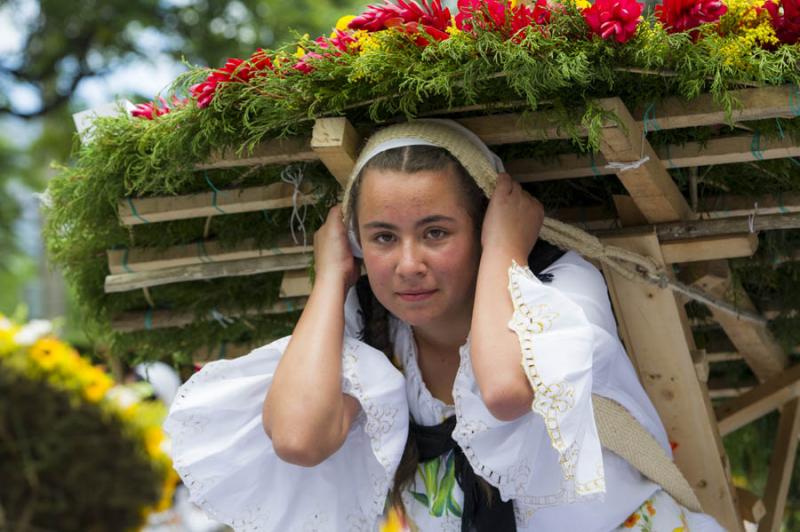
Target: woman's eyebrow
[434, 218]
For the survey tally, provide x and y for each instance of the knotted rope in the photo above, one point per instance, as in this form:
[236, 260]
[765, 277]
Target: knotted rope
[633, 266]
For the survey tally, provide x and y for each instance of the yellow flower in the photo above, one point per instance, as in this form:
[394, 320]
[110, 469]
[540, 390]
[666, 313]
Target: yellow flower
[393, 522]
[49, 352]
[343, 22]
[95, 384]
[7, 333]
[631, 521]
[300, 53]
[582, 4]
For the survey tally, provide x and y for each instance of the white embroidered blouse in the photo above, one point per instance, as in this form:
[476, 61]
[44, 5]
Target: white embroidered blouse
[549, 462]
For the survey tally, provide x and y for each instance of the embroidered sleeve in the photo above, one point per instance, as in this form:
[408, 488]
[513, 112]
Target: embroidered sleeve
[551, 455]
[223, 456]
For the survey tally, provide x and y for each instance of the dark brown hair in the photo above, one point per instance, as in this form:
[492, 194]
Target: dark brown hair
[408, 159]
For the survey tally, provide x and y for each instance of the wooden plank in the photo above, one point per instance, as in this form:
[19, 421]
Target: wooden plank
[721, 226]
[710, 248]
[759, 401]
[201, 252]
[781, 467]
[337, 143]
[750, 505]
[658, 339]
[231, 201]
[754, 104]
[728, 392]
[274, 151]
[728, 206]
[295, 283]
[754, 341]
[723, 356]
[124, 282]
[729, 150]
[162, 319]
[650, 185]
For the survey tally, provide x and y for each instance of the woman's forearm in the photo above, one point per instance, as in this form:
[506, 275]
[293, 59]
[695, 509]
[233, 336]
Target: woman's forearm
[305, 412]
[494, 348]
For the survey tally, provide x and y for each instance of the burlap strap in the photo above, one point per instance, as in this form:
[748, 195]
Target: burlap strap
[623, 435]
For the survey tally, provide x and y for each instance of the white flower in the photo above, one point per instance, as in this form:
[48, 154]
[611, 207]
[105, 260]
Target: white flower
[32, 331]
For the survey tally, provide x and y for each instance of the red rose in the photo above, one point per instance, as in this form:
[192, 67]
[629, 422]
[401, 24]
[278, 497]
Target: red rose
[785, 19]
[683, 15]
[616, 19]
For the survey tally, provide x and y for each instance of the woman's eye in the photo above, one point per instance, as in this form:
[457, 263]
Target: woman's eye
[437, 234]
[383, 238]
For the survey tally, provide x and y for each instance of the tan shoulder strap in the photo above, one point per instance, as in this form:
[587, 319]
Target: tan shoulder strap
[623, 435]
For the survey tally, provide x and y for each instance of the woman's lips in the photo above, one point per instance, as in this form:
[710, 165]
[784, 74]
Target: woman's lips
[416, 295]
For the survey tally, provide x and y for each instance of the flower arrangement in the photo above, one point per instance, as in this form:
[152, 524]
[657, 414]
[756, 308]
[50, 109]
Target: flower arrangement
[89, 444]
[400, 59]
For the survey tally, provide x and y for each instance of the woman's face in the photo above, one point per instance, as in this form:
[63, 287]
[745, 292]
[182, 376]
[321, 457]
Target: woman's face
[421, 250]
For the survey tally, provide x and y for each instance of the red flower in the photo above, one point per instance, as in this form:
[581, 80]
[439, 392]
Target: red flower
[613, 18]
[303, 65]
[151, 110]
[683, 15]
[493, 15]
[430, 15]
[235, 70]
[785, 19]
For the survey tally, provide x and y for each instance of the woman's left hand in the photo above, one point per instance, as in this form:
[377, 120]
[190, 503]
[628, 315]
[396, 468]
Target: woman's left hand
[512, 222]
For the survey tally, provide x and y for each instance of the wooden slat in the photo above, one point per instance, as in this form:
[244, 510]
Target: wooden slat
[729, 150]
[759, 401]
[781, 467]
[232, 201]
[750, 505]
[754, 104]
[295, 283]
[654, 329]
[728, 206]
[124, 282]
[754, 341]
[275, 151]
[336, 142]
[162, 319]
[150, 259]
[723, 356]
[650, 185]
[710, 248]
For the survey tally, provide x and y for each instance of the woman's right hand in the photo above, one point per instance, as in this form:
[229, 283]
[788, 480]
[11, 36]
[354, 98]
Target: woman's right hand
[332, 255]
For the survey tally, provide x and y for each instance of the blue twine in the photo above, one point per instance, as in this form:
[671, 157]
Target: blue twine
[669, 158]
[135, 212]
[780, 128]
[125, 261]
[202, 253]
[594, 166]
[794, 100]
[755, 146]
[289, 305]
[795, 161]
[650, 118]
[222, 348]
[213, 194]
[148, 319]
[781, 207]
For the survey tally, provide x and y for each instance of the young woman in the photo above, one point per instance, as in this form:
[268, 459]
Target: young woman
[452, 381]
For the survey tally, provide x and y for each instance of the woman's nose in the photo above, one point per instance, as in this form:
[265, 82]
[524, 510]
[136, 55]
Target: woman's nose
[411, 261]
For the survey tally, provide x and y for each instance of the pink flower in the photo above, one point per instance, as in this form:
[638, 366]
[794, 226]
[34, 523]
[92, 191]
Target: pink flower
[683, 15]
[493, 15]
[406, 15]
[235, 70]
[151, 110]
[785, 19]
[617, 19]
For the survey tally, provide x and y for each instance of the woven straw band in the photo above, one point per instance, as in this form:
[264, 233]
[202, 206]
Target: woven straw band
[623, 435]
[431, 133]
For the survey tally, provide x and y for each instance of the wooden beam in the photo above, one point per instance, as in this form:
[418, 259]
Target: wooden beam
[274, 151]
[754, 341]
[728, 206]
[723, 356]
[163, 319]
[781, 467]
[336, 142]
[753, 104]
[710, 248]
[649, 184]
[759, 401]
[750, 505]
[728, 392]
[720, 226]
[124, 282]
[657, 337]
[132, 260]
[295, 283]
[232, 201]
[728, 150]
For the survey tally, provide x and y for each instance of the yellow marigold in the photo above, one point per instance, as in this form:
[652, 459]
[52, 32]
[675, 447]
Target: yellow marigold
[167, 490]
[95, 384]
[153, 437]
[7, 333]
[343, 22]
[49, 352]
